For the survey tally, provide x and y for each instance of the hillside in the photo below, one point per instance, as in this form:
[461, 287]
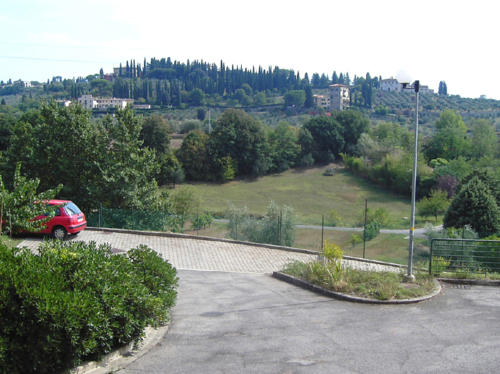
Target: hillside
[271, 94]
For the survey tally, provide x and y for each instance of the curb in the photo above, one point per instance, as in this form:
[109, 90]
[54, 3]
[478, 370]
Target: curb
[262, 245]
[123, 356]
[344, 297]
[471, 282]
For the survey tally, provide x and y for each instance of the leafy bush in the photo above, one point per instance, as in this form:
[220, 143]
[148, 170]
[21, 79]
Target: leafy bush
[276, 227]
[372, 230]
[201, 221]
[440, 264]
[77, 301]
[333, 218]
[18, 207]
[333, 255]
[355, 239]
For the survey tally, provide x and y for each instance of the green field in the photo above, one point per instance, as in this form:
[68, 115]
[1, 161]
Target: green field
[310, 193]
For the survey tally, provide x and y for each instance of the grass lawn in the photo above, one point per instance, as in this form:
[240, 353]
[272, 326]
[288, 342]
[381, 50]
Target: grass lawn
[310, 194]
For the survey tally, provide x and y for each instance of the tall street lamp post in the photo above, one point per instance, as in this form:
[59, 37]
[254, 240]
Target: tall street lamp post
[409, 276]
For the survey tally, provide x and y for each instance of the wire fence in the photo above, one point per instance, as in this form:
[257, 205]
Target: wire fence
[132, 219]
[464, 256]
[276, 227]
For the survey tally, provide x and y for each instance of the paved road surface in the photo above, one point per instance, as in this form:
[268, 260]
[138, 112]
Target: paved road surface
[234, 319]
[252, 323]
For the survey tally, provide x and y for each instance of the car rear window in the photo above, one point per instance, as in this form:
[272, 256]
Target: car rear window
[71, 209]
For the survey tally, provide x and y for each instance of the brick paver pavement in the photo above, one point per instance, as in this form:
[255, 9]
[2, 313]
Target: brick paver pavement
[198, 254]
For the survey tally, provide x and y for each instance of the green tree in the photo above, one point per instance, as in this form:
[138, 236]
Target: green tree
[284, 147]
[127, 170]
[196, 97]
[295, 98]
[475, 206]
[58, 145]
[486, 176]
[260, 98]
[171, 171]
[437, 203]
[353, 125]
[8, 119]
[306, 143]
[242, 97]
[458, 168]
[484, 139]
[19, 206]
[450, 139]
[193, 155]
[443, 89]
[100, 161]
[309, 101]
[155, 133]
[200, 114]
[101, 87]
[327, 134]
[183, 202]
[240, 136]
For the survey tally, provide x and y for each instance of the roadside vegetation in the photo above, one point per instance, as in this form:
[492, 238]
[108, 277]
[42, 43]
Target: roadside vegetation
[331, 275]
[73, 302]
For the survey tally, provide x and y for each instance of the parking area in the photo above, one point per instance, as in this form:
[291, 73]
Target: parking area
[232, 317]
[252, 323]
[198, 254]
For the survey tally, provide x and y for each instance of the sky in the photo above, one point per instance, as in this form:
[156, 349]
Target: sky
[432, 41]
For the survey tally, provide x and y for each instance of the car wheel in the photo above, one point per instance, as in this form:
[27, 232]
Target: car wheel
[59, 233]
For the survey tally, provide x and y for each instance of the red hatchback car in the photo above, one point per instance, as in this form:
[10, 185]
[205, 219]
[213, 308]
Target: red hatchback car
[68, 219]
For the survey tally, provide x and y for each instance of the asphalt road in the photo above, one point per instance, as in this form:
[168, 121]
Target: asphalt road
[252, 323]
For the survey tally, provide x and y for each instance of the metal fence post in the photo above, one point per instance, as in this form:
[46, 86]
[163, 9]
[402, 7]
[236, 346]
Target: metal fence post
[430, 256]
[364, 228]
[280, 219]
[322, 231]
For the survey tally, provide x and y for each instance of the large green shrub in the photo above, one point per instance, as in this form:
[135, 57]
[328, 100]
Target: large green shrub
[77, 301]
[474, 205]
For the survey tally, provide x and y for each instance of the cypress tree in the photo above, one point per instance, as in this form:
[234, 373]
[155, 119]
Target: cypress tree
[475, 206]
[335, 78]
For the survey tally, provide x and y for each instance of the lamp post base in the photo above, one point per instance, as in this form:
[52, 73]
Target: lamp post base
[409, 278]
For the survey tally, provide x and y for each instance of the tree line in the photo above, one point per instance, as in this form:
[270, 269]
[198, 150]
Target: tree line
[120, 161]
[458, 164]
[173, 83]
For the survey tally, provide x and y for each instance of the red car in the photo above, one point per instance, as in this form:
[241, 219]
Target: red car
[68, 219]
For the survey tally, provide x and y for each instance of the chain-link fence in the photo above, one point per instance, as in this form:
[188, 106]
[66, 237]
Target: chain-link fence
[464, 256]
[132, 219]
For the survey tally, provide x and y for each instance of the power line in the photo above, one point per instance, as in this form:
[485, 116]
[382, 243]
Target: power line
[55, 60]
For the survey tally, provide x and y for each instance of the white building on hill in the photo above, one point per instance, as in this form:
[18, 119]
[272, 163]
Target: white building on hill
[90, 102]
[390, 85]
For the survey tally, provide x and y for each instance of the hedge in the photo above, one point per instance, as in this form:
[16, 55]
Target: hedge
[73, 302]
